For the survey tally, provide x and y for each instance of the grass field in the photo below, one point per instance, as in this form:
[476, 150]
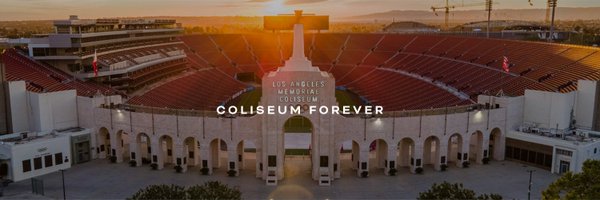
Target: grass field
[248, 99]
[346, 98]
[251, 98]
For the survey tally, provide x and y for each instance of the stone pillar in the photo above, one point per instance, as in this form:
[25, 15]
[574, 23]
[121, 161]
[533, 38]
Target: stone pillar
[391, 159]
[157, 153]
[443, 152]
[232, 157]
[355, 156]
[240, 156]
[337, 161]
[115, 147]
[180, 155]
[206, 157]
[417, 158]
[94, 142]
[259, 160]
[134, 147]
[363, 160]
[483, 150]
[464, 153]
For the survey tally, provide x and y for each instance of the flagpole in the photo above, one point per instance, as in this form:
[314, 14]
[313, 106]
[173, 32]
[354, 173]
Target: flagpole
[505, 71]
[503, 74]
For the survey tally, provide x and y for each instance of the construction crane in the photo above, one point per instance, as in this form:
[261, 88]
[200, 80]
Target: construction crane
[447, 12]
[488, 7]
[550, 13]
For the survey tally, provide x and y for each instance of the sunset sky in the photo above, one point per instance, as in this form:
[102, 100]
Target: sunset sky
[60, 9]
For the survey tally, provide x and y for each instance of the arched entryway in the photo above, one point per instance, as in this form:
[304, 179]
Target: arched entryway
[476, 151]
[378, 150]
[4, 169]
[246, 152]
[103, 143]
[122, 148]
[144, 149]
[406, 152]
[165, 145]
[297, 146]
[219, 155]
[455, 143]
[348, 158]
[495, 146]
[191, 156]
[431, 152]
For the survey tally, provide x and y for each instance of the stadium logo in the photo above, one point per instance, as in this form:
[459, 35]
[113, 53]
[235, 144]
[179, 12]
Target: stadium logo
[299, 94]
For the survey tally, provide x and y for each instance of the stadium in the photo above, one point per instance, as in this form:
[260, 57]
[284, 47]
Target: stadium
[139, 91]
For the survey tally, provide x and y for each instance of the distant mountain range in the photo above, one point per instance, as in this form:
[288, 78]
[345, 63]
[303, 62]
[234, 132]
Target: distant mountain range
[462, 16]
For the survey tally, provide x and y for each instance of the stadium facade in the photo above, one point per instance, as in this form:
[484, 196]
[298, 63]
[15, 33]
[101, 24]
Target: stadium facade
[555, 129]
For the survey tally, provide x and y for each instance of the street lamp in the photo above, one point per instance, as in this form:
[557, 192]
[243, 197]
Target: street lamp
[529, 190]
[62, 172]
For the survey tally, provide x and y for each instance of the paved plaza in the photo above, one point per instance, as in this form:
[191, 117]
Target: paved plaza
[101, 180]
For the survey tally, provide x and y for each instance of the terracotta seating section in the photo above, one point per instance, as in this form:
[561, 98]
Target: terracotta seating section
[43, 78]
[203, 89]
[471, 65]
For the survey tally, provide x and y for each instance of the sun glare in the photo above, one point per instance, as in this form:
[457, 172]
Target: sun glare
[276, 7]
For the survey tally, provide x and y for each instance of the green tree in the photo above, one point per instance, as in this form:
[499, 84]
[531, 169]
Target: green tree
[213, 190]
[447, 190]
[160, 192]
[210, 190]
[584, 185]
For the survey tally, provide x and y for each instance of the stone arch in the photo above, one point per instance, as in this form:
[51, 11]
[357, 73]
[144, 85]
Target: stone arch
[476, 147]
[144, 149]
[406, 152]
[295, 151]
[218, 153]
[431, 151]
[121, 149]
[103, 143]
[496, 144]
[246, 154]
[378, 150]
[166, 149]
[347, 157]
[191, 151]
[454, 153]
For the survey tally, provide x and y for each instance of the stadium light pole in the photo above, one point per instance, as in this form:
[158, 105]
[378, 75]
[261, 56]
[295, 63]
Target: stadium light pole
[489, 10]
[552, 4]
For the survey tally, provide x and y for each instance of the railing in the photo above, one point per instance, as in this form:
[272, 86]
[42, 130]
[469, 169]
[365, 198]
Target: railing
[210, 113]
[568, 134]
